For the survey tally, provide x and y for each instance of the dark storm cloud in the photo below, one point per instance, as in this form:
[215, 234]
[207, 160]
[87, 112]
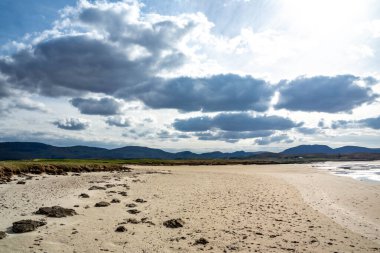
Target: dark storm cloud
[325, 94]
[274, 139]
[72, 124]
[94, 106]
[215, 93]
[231, 137]
[237, 122]
[373, 123]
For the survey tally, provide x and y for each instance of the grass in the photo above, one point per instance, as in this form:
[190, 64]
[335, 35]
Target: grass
[62, 166]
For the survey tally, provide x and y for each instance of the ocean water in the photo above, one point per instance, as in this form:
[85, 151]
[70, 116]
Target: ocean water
[363, 171]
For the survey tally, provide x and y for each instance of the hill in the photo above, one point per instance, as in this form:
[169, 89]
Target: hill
[35, 150]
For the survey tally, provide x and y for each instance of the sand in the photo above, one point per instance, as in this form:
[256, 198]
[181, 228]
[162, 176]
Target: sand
[272, 208]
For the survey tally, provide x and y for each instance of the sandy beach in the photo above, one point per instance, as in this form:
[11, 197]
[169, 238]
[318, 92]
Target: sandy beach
[271, 208]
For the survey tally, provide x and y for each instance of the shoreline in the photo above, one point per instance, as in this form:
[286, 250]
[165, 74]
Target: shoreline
[235, 208]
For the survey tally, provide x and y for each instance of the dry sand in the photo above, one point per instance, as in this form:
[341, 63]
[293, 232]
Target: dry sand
[281, 208]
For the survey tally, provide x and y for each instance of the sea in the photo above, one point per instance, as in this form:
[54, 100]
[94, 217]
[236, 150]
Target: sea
[363, 171]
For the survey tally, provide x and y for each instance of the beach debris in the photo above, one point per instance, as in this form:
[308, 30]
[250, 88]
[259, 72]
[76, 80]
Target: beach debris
[24, 226]
[102, 204]
[115, 201]
[95, 187]
[120, 229]
[201, 241]
[2, 235]
[56, 211]
[174, 223]
[140, 201]
[84, 195]
[133, 211]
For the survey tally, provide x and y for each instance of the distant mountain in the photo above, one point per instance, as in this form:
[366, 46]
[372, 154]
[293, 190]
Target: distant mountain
[34, 150]
[323, 149]
[308, 149]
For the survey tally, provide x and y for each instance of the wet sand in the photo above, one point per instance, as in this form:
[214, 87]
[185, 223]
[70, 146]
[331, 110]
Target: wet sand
[272, 208]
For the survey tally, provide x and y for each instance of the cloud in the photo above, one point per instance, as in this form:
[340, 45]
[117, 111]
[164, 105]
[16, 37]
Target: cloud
[166, 135]
[283, 138]
[234, 122]
[231, 137]
[4, 92]
[373, 123]
[118, 121]
[216, 93]
[94, 106]
[72, 124]
[308, 130]
[325, 94]
[22, 103]
[108, 48]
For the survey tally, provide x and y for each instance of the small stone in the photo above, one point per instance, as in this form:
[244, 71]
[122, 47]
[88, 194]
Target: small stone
[21, 182]
[123, 194]
[201, 241]
[120, 229]
[174, 223]
[140, 201]
[132, 205]
[102, 204]
[133, 211]
[115, 201]
[84, 195]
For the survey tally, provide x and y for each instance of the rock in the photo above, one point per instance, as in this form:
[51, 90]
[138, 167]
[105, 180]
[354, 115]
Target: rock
[24, 226]
[123, 194]
[21, 182]
[174, 223]
[132, 205]
[133, 211]
[115, 201]
[95, 187]
[84, 195]
[201, 241]
[2, 235]
[56, 211]
[102, 204]
[110, 185]
[140, 201]
[120, 229]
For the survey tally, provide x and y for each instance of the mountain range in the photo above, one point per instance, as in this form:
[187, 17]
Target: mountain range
[34, 150]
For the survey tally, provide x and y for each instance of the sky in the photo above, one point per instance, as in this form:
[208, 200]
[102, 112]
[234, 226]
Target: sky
[199, 75]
